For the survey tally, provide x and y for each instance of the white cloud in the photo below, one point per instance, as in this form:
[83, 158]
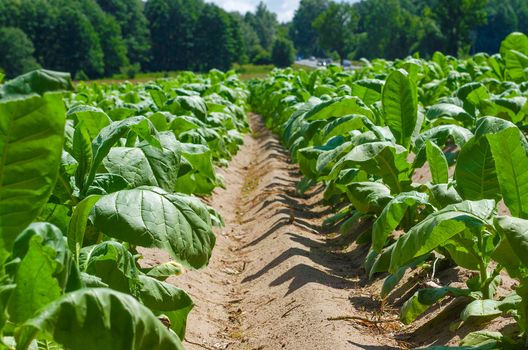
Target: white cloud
[241, 6]
[283, 8]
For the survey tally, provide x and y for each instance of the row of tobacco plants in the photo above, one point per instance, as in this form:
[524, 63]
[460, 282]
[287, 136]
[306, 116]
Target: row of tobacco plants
[364, 133]
[88, 175]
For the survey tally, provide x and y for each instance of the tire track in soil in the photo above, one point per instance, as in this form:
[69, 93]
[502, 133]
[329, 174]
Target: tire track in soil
[273, 282]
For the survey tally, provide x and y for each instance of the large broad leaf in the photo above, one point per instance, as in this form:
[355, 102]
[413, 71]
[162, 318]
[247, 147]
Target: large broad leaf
[36, 82]
[338, 107]
[440, 135]
[368, 197]
[164, 298]
[437, 163]
[93, 118]
[514, 51]
[383, 159]
[392, 215]
[78, 222]
[400, 106]
[109, 135]
[438, 228]
[512, 251]
[113, 264]
[98, 318]
[511, 163]
[424, 299]
[36, 285]
[476, 177]
[308, 157]
[516, 65]
[202, 179]
[151, 217]
[486, 310]
[451, 111]
[146, 164]
[185, 104]
[443, 195]
[31, 137]
[515, 41]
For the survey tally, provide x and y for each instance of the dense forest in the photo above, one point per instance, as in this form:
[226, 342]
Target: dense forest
[96, 38]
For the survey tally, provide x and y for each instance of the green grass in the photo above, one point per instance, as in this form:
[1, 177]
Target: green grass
[252, 71]
[246, 72]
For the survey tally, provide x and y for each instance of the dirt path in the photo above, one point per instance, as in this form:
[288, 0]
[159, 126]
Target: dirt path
[272, 282]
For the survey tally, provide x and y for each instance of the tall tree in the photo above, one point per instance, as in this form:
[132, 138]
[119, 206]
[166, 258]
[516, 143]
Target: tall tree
[250, 41]
[265, 23]
[75, 46]
[336, 27]
[172, 25]
[16, 56]
[109, 33]
[302, 32]
[283, 52]
[501, 20]
[456, 19]
[381, 21]
[218, 41]
[134, 26]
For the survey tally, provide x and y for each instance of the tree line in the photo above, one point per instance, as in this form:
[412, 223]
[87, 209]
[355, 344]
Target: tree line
[97, 38]
[398, 28]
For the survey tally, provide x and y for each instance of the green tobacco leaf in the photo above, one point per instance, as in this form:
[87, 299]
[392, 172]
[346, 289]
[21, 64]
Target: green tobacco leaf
[476, 177]
[516, 64]
[392, 215]
[483, 340]
[158, 97]
[31, 137]
[50, 236]
[151, 217]
[449, 110]
[109, 135]
[512, 251]
[36, 82]
[113, 264]
[443, 195]
[438, 228]
[338, 107]
[440, 135]
[400, 106]
[486, 310]
[437, 163]
[202, 178]
[35, 284]
[166, 299]
[147, 165]
[368, 197]
[106, 183]
[93, 118]
[308, 157]
[424, 299]
[78, 224]
[82, 153]
[118, 321]
[512, 169]
[384, 159]
[515, 41]
[184, 104]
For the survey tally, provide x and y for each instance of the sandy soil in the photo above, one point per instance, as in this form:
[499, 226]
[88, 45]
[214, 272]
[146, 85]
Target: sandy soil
[275, 282]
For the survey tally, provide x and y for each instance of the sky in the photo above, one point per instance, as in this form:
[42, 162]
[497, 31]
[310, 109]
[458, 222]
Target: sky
[283, 8]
